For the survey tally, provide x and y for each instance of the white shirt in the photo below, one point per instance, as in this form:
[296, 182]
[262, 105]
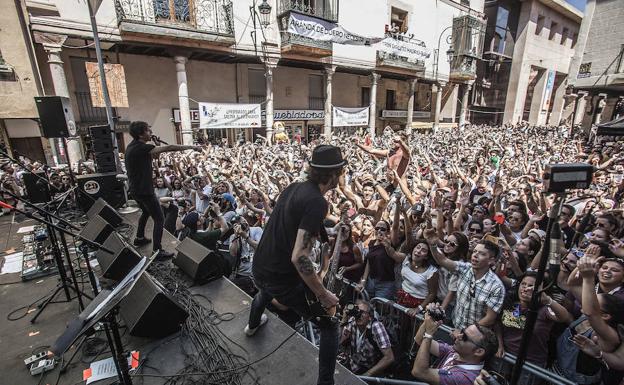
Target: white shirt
[415, 284]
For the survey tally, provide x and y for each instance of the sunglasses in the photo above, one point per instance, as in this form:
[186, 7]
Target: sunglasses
[451, 243]
[382, 229]
[474, 230]
[577, 253]
[465, 338]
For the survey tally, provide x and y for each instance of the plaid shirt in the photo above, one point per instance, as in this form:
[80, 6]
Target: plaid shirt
[362, 354]
[452, 371]
[475, 296]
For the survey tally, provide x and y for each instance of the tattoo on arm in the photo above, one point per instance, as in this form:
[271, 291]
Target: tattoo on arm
[308, 240]
[304, 265]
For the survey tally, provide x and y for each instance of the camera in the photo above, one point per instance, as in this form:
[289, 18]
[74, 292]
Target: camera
[436, 314]
[351, 310]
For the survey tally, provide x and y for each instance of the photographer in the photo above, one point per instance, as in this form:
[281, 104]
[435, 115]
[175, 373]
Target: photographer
[243, 244]
[459, 364]
[366, 342]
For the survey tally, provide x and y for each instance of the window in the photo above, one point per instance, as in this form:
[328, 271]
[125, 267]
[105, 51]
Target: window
[390, 100]
[554, 26]
[6, 71]
[398, 20]
[540, 24]
[172, 10]
[317, 92]
[502, 18]
[257, 85]
[574, 40]
[365, 97]
[564, 35]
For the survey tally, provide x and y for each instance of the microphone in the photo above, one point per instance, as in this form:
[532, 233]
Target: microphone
[553, 254]
[157, 140]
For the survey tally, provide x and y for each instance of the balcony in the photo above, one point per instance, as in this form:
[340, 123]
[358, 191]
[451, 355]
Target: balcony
[390, 61]
[326, 10]
[468, 37]
[316, 103]
[210, 20]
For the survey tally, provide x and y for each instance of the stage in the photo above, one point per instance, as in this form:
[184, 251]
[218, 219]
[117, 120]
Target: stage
[276, 354]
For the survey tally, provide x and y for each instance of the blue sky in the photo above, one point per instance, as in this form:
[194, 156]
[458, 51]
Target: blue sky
[580, 4]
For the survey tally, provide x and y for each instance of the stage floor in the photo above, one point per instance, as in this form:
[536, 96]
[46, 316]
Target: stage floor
[293, 362]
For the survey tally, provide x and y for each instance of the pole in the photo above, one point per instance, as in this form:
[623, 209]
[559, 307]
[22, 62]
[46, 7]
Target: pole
[531, 317]
[107, 101]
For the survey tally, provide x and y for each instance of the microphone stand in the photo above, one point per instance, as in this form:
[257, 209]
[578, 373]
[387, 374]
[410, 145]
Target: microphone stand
[531, 316]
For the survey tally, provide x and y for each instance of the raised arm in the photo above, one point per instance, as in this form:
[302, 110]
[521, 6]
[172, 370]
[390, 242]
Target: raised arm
[173, 147]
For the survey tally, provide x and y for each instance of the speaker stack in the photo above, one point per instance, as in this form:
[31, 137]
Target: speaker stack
[104, 210]
[200, 263]
[102, 146]
[36, 190]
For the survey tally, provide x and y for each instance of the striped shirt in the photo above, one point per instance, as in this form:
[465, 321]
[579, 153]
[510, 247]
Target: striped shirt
[475, 296]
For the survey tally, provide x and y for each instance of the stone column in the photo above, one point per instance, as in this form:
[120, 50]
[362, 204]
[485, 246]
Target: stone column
[373, 104]
[437, 88]
[410, 106]
[59, 82]
[329, 74]
[268, 74]
[560, 101]
[455, 97]
[185, 109]
[463, 113]
[579, 110]
[600, 106]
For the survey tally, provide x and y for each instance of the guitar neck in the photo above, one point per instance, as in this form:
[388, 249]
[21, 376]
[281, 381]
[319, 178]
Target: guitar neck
[335, 260]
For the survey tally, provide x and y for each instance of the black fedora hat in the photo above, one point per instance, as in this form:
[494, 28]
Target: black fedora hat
[327, 156]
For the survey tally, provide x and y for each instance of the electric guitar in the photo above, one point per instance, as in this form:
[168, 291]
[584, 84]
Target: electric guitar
[316, 308]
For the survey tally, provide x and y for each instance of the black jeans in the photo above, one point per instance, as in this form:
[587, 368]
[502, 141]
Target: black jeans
[150, 207]
[294, 298]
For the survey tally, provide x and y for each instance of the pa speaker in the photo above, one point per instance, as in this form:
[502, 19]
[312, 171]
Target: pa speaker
[102, 185]
[56, 116]
[117, 265]
[100, 132]
[149, 311]
[36, 189]
[104, 210]
[200, 263]
[97, 230]
[105, 162]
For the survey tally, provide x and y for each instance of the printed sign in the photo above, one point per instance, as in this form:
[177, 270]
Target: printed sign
[298, 115]
[178, 119]
[412, 51]
[115, 80]
[584, 70]
[322, 30]
[228, 115]
[403, 114]
[550, 83]
[349, 117]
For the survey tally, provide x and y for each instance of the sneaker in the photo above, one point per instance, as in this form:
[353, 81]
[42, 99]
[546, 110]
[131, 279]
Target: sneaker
[250, 332]
[163, 255]
[138, 242]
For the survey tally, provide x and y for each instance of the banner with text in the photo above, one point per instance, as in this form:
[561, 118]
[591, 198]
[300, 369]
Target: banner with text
[322, 30]
[349, 117]
[412, 51]
[228, 115]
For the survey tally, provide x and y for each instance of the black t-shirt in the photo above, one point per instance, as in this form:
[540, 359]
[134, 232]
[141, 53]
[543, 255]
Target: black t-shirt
[300, 206]
[139, 167]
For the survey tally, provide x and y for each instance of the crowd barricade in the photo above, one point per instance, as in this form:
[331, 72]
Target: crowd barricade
[402, 327]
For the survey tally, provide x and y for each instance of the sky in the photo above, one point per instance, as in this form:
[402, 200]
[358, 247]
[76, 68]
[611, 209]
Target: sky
[580, 4]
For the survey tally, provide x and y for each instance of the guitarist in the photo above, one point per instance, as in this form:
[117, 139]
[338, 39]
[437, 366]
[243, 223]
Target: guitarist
[282, 265]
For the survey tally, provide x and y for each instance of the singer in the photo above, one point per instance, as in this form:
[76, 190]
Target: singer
[138, 160]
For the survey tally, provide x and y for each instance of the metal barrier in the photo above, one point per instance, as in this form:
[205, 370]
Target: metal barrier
[378, 380]
[541, 373]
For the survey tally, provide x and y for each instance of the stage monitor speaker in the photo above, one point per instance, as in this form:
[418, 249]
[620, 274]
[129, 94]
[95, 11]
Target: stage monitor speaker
[200, 263]
[105, 162]
[102, 146]
[56, 116]
[104, 210]
[149, 311]
[36, 189]
[117, 265]
[102, 185]
[97, 230]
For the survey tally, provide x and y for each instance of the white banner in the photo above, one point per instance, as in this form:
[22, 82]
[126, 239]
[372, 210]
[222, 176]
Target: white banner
[322, 30]
[228, 115]
[349, 117]
[403, 114]
[413, 52]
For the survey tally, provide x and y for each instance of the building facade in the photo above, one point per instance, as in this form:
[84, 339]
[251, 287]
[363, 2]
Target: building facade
[175, 54]
[527, 55]
[597, 71]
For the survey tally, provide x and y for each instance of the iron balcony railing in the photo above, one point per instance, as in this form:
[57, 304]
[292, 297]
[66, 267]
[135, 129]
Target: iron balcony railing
[257, 99]
[387, 59]
[324, 9]
[88, 113]
[212, 16]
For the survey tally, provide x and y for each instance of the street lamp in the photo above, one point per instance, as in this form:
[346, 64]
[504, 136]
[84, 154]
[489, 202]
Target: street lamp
[265, 13]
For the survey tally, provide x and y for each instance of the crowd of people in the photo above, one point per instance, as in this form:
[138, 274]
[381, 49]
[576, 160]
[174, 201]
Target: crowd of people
[449, 225]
